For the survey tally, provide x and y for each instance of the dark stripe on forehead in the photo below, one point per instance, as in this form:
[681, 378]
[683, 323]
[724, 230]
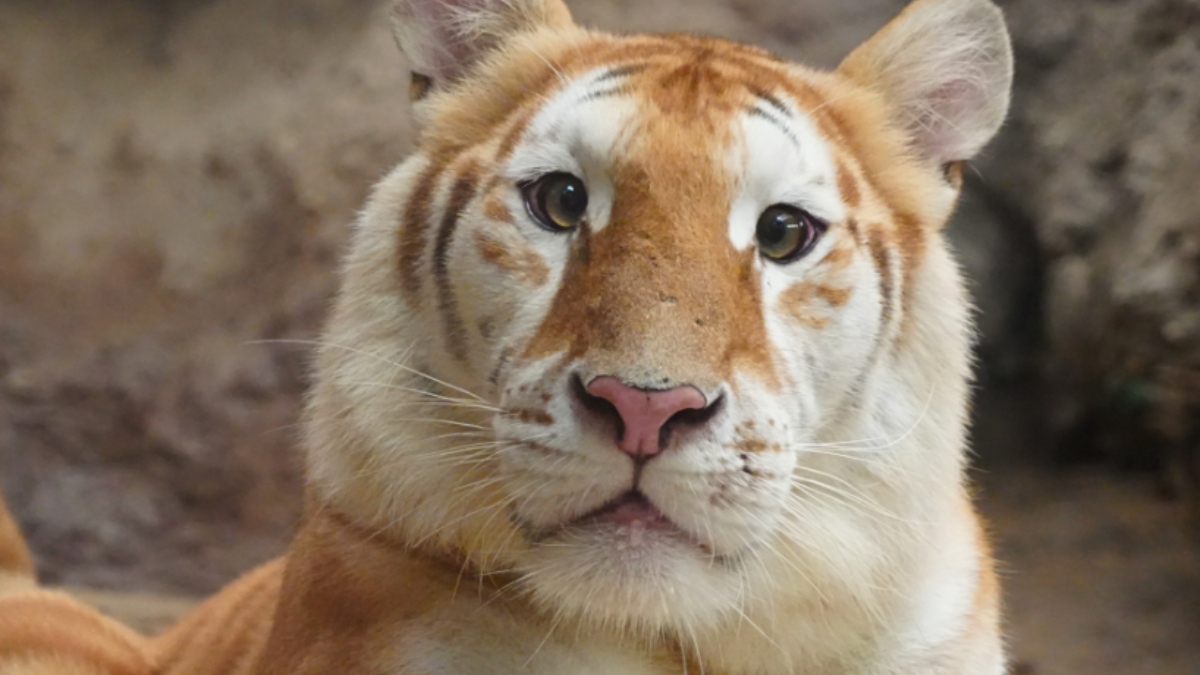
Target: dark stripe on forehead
[603, 87]
[414, 223]
[605, 93]
[460, 196]
[773, 101]
[778, 123]
[621, 71]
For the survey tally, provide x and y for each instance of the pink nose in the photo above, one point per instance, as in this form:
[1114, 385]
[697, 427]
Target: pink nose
[644, 411]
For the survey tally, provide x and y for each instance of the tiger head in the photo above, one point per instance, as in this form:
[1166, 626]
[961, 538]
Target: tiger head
[664, 326]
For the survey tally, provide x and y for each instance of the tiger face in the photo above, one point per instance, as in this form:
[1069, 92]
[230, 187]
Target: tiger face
[664, 326]
[697, 320]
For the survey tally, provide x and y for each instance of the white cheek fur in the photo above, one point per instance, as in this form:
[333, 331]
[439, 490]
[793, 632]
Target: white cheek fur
[577, 135]
[781, 160]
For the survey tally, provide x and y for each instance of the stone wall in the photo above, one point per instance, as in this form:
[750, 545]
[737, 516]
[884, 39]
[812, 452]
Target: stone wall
[176, 180]
[1102, 157]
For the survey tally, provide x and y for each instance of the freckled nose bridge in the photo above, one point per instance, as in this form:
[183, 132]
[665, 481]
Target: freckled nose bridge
[667, 296]
[659, 297]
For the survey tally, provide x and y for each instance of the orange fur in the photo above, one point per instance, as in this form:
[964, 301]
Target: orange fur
[16, 565]
[225, 635]
[53, 629]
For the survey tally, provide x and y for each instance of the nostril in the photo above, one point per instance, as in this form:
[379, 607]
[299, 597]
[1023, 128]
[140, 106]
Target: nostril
[692, 417]
[599, 407]
[646, 416]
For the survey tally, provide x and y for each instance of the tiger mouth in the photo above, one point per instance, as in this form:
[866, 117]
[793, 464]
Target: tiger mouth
[630, 514]
[628, 509]
[631, 509]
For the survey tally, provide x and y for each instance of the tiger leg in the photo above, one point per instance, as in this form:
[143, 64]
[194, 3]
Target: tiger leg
[16, 565]
[50, 633]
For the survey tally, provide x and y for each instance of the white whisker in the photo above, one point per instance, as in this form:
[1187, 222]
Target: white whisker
[361, 352]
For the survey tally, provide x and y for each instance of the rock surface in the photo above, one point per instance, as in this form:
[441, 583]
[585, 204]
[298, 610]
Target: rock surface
[175, 183]
[1101, 156]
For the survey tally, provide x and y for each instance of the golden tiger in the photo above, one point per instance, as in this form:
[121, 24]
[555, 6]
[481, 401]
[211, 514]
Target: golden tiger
[651, 359]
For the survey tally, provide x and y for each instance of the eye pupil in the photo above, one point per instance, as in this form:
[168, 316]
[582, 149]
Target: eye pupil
[572, 199]
[785, 233]
[557, 201]
[776, 230]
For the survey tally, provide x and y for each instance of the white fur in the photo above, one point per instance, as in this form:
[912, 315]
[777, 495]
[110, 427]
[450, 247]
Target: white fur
[775, 169]
[579, 136]
[460, 639]
[845, 552]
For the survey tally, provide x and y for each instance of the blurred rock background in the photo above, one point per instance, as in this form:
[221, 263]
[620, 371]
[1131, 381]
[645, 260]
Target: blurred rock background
[177, 178]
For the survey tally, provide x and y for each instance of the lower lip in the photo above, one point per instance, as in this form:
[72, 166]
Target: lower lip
[633, 513]
[632, 521]
[635, 524]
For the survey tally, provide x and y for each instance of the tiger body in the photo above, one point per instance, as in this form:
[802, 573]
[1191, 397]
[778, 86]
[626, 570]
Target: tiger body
[650, 359]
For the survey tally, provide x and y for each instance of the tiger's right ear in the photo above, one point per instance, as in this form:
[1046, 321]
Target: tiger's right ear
[946, 68]
[443, 39]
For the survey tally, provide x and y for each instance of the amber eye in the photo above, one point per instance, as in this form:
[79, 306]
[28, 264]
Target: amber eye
[785, 233]
[557, 201]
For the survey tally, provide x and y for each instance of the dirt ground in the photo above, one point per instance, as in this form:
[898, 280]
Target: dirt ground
[1098, 572]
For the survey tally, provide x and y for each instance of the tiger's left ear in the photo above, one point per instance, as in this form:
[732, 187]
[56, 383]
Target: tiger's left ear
[443, 39]
[945, 67]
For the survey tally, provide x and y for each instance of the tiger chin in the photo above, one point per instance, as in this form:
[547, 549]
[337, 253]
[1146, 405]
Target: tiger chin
[652, 358]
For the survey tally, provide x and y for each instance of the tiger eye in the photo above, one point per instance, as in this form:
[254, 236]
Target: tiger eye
[557, 201]
[785, 233]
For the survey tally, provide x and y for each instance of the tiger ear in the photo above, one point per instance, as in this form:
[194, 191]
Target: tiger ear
[442, 39]
[945, 67]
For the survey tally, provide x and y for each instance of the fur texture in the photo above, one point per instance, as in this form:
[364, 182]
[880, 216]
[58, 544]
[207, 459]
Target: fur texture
[16, 565]
[469, 509]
